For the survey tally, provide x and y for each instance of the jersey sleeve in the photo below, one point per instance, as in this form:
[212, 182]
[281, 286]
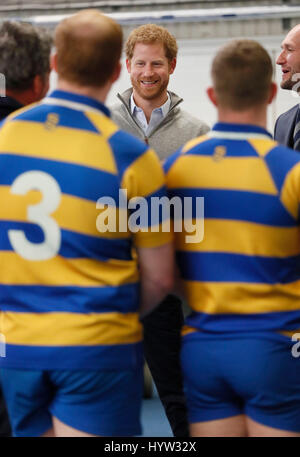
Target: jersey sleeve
[142, 178]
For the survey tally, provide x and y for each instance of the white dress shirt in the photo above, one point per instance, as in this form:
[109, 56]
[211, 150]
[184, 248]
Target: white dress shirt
[157, 115]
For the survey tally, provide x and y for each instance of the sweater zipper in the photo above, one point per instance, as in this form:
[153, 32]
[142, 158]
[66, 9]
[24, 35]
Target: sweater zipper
[146, 139]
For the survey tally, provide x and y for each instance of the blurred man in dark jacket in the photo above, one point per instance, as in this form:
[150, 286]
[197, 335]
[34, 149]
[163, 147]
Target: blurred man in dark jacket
[24, 68]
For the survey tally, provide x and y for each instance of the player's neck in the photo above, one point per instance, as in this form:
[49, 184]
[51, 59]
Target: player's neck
[98, 93]
[24, 97]
[256, 117]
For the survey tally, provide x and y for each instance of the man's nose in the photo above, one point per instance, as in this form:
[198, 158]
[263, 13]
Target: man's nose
[281, 58]
[148, 70]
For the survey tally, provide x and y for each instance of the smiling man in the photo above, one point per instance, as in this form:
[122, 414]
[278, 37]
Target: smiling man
[152, 113]
[287, 127]
[148, 110]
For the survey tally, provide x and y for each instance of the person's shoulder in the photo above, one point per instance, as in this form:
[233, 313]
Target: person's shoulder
[285, 151]
[185, 118]
[289, 113]
[21, 113]
[191, 119]
[121, 100]
[125, 142]
[116, 107]
[130, 153]
[282, 159]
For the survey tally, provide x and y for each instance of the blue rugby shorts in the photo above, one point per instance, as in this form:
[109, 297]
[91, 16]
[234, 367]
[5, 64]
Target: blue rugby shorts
[255, 376]
[103, 403]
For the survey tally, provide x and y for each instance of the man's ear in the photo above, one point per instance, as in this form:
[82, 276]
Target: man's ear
[128, 65]
[40, 87]
[53, 62]
[172, 65]
[212, 95]
[273, 92]
[117, 72]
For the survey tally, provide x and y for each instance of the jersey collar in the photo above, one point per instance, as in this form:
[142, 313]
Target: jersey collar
[238, 131]
[75, 101]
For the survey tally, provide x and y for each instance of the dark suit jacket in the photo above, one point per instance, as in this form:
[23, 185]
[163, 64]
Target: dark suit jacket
[8, 105]
[284, 128]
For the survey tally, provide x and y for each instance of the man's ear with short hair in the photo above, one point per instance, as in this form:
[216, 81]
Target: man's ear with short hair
[128, 65]
[273, 92]
[116, 72]
[53, 61]
[40, 86]
[172, 65]
[212, 95]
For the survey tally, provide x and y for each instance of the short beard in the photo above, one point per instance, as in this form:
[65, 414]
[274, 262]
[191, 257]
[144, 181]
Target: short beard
[288, 84]
[153, 96]
[292, 83]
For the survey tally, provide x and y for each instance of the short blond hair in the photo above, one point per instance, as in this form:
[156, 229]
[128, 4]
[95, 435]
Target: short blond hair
[89, 46]
[242, 74]
[152, 33]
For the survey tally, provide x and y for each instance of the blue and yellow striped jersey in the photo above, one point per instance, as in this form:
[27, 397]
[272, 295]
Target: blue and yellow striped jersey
[69, 287]
[244, 275]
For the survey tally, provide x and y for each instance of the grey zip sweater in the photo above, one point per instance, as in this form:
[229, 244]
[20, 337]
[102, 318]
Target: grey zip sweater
[176, 128]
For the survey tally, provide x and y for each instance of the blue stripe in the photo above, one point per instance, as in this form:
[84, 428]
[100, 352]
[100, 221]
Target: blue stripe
[77, 98]
[77, 180]
[169, 162]
[121, 356]
[238, 205]
[67, 117]
[127, 149]
[73, 245]
[280, 161]
[149, 212]
[69, 299]
[220, 267]
[234, 148]
[287, 320]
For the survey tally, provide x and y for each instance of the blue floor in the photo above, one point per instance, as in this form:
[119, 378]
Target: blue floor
[154, 420]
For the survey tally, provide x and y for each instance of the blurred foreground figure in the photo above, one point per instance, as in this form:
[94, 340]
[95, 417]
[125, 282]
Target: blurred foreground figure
[287, 127]
[24, 79]
[72, 292]
[24, 65]
[241, 367]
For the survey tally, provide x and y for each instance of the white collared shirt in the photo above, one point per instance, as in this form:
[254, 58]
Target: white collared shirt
[157, 115]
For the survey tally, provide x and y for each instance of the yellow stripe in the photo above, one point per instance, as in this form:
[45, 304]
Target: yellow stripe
[192, 171]
[290, 194]
[70, 329]
[103, 123]
[295, 334]
[262, 147]
[59, 271]
[194, 142]
[186, 330]
[61, 144]
[73, 213]
[153, 239]
[242, 298]
[144, 176]
[249, 238]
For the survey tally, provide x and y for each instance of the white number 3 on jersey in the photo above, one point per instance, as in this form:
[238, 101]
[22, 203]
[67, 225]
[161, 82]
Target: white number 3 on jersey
[38, 214]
